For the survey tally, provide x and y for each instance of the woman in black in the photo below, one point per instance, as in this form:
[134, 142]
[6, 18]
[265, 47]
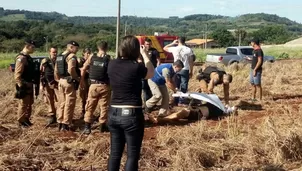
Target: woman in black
[126, 119]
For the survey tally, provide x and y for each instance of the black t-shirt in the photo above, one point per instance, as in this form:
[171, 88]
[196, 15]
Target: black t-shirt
[125, 79]
[154, 54]
[257, 53]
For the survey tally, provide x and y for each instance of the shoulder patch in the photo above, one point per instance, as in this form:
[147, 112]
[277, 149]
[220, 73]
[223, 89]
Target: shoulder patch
[20, 58]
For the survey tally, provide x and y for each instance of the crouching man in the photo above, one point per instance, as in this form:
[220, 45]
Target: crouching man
[210, 76]
[158, 85]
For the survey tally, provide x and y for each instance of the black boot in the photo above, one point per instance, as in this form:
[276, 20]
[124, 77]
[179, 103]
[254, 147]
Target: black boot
[52, 120]
[27, 122]
[60, 126]
[103, 128]
[24, 124]
[87, 129]
[147, 110]
[65, 127]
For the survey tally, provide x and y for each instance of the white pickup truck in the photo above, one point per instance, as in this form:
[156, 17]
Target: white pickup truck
[235, 55]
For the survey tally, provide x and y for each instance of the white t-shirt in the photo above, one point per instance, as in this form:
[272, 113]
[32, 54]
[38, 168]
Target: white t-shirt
[182, 53]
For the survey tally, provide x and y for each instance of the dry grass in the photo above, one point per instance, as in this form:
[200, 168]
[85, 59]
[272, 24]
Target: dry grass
[264, 136]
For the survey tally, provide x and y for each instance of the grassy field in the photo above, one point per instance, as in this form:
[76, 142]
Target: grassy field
[263, 136]
[13, 17]
[280, 52]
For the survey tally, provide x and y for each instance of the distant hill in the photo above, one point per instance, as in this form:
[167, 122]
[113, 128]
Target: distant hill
[191, 22]
[53, 28]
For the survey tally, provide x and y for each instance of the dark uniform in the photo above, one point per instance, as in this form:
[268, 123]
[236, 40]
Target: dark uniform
[99, 90]
[24, 77]
[50, 86]
[68, 73]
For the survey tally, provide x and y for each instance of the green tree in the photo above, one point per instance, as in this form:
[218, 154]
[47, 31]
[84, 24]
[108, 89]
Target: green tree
[273, 34]
[240, 36]
[223, 37]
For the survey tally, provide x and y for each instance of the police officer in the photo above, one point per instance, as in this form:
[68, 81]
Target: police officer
[83, 90]
[49, 84]
[211, 76]
[163, 76]
[99, 87]
[24, 75]
[68, 74]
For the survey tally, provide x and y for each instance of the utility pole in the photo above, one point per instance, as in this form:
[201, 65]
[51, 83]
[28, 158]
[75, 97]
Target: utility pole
[126, 28]
[46, 45]
[118, 27]
[239, 38]
[206, 36]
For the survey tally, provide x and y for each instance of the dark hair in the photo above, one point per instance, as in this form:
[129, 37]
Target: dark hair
[148, 40]
[102, 45]
[182, 40]
[87, 50]
[178, 63]
[129, 48]
[256, 41]
[53, 47]
[229, 77]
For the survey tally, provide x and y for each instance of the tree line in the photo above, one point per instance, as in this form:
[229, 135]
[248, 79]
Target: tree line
[56, 29]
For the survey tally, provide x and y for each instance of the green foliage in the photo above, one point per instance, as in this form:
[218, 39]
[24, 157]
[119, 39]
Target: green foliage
[13, 45]
[223, 37]
[273, 35]
[203, 17]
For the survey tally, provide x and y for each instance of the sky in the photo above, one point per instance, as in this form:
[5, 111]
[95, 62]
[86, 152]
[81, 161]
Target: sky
[291, 9]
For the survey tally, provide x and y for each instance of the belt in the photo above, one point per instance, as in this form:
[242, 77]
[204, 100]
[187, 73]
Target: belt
[126, 111]
[97, 82]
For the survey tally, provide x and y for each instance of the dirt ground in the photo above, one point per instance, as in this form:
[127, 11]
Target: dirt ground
[264, 135]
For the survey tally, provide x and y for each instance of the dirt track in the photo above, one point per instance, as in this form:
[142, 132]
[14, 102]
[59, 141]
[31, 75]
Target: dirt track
[264, 136]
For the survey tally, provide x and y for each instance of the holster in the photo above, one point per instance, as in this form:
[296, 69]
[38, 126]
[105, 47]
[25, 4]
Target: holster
[20, 92]
[75, 83]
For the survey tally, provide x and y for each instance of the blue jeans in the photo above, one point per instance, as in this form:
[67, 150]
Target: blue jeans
[147, 94]
[257, 79]
[182, 82]
[125, 126]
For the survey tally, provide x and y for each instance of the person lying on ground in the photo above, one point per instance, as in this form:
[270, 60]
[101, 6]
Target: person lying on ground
[210, 76]
[196, 113]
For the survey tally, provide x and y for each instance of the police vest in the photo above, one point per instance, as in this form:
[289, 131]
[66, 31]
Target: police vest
[62, 66]
[209, 70]
[158, 77]
[49, 70]
[98, 68]
[29, 69]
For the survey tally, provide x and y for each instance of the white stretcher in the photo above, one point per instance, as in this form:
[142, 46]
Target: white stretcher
[210, 98]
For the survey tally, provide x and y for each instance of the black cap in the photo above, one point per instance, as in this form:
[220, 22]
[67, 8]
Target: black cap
[256, 41]
[74, 43]
[31, 42]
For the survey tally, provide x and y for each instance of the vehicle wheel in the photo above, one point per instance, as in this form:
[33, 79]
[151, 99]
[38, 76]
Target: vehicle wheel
[234, 62]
